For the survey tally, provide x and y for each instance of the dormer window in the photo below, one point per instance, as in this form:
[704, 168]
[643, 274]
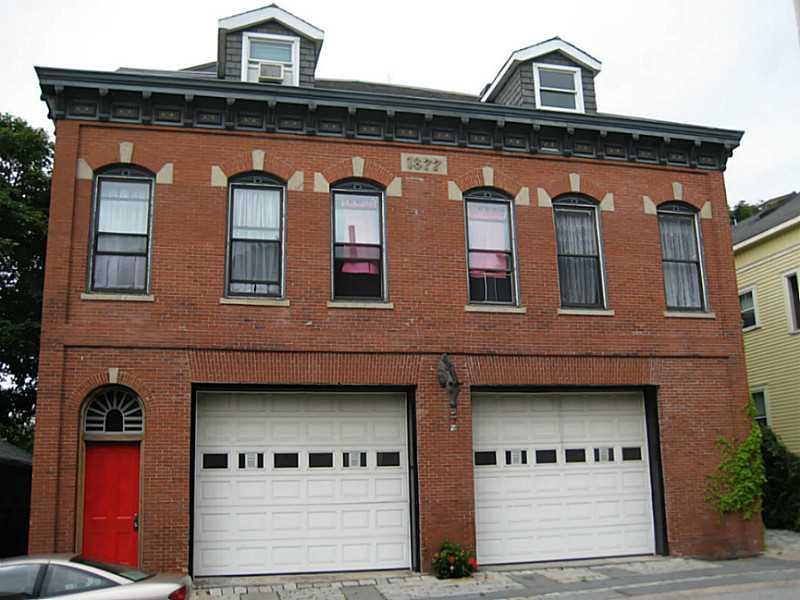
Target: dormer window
[270, 58]
[558, 87]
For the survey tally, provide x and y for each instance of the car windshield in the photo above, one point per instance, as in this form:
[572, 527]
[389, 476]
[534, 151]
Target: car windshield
[121, 570]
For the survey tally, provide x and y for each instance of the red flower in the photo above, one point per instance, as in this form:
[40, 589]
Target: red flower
[451, 558]
[473, 562]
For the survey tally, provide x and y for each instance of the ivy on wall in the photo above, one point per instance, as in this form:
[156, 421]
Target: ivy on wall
[738, 483]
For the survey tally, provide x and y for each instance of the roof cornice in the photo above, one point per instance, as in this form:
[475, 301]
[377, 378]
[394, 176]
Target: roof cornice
[61, 86]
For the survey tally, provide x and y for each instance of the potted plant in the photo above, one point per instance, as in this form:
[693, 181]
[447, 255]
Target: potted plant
[453, 561]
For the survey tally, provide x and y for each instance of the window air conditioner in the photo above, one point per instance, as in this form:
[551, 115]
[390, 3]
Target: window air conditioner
[270, 71]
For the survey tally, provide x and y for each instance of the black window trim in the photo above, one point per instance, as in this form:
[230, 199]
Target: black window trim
[750, 289]
[360, 187]
[124, 173]
[760, 389]
[581, 203]
[793, 299]
[256, 180]
[488, 195]
[676, 207]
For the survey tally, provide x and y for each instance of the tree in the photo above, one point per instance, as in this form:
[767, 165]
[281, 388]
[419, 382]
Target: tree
[741, 211]
[25, 168]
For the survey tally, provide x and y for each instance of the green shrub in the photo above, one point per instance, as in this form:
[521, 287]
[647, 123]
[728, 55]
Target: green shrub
[453, 561]
[782, 491]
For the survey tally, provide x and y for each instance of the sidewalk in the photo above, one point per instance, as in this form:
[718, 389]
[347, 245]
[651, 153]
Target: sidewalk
[598, 579]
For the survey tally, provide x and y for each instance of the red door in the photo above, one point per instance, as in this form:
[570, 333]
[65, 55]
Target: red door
[111, 503]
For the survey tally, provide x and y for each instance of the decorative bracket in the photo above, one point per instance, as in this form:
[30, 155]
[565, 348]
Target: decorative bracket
[446, 374]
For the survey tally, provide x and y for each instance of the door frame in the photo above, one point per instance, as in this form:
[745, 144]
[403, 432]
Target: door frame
[411, 432]
[652, 433]
[101, 439]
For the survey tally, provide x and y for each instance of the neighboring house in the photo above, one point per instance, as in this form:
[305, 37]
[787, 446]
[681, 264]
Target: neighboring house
[253, 275]
[767, 250]
[15, 499]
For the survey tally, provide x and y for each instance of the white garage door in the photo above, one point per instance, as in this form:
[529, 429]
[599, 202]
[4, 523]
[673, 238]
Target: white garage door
[561, 476]
[300, 482]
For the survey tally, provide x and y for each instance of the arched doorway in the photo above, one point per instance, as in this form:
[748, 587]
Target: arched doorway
[113, 425]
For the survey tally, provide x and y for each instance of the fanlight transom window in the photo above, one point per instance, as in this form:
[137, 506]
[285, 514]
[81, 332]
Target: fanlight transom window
[115, 411]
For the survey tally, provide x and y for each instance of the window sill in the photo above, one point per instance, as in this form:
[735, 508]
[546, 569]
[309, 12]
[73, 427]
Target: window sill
[119, 297]
[588, 312]
[373, 305]
[752, 328]
[255, 301]
[674, 314]
[495, 308]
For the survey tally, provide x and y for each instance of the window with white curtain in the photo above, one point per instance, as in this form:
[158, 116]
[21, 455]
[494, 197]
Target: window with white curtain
[255, 256]
[490, 248]
[681, 257]
[120, 252]
[358, 253]
[580, 264]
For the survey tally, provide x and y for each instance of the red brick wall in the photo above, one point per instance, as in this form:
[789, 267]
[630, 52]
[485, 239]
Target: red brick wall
[186, 336]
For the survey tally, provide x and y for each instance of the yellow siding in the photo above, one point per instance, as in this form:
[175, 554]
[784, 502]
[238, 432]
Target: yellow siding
[772, 352]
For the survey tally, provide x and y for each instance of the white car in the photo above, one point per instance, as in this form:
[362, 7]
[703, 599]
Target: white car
[70, 576]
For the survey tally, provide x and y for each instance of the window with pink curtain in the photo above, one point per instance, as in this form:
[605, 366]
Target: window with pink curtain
[490, 257]
[357, 249]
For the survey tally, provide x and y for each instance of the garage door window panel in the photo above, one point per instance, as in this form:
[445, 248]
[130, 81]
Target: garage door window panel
[485, 458]
[632, 454]
[516, 457]
[575, 455]
[388, 459]
[604, 454]
[251, 460]
[285, 460]
[215, 461]
[320, 460]
[354, 459]
[546, 457]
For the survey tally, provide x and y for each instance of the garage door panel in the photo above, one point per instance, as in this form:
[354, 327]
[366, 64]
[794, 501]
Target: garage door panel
[566, 502]
[306, 516]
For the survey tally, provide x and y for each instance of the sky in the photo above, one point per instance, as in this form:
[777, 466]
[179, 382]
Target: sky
[721, 63]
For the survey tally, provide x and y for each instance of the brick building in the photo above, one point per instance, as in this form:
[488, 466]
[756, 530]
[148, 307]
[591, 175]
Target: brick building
[253, 275]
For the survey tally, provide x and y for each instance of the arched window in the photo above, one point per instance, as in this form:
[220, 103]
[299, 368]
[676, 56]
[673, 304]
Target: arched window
[256, 233]
[491, 262]
[580, 258]
[114, 410]
[121, 235]
[359, 257]
[681, 257]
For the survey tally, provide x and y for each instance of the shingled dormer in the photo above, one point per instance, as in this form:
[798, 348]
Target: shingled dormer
[268, 45]
[550, 75]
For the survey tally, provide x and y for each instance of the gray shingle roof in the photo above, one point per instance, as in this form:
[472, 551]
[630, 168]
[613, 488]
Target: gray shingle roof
[388, 88]
[771, 213]
[9, 453]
